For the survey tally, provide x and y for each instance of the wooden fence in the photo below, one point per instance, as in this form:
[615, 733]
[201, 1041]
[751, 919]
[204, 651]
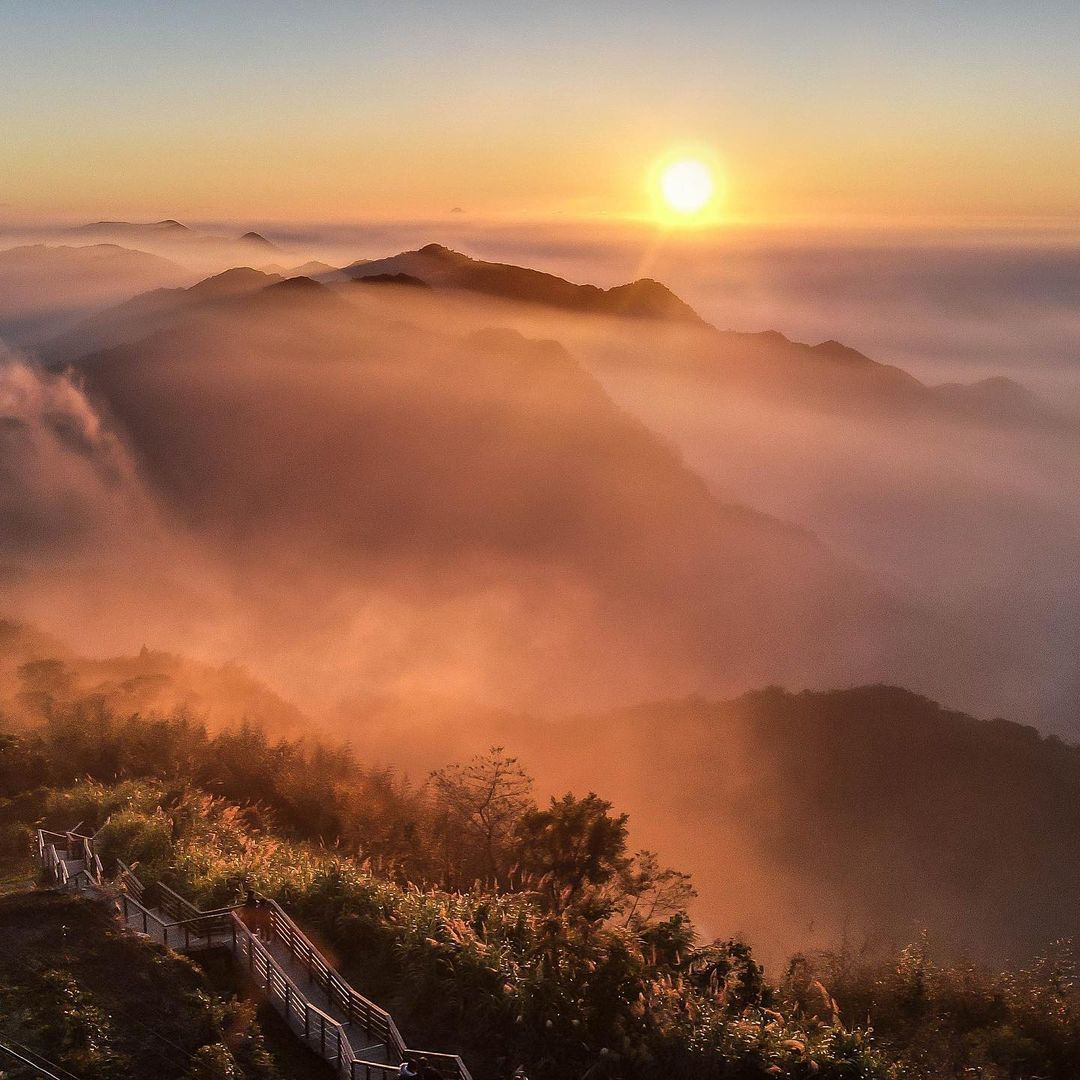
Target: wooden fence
[166, 916]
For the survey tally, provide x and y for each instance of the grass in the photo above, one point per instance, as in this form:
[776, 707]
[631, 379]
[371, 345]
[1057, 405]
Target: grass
[17, 874]
[106, 1004]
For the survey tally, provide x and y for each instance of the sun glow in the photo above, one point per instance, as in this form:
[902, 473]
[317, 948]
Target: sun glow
[687, 186]
[685, 189]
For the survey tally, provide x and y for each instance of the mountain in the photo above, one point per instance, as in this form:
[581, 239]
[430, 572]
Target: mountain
[486, 474]
[167, 231]
[46, 288]
[676, 341]
[442, 268]
[145, 313]
[201, 252]
[131, 230]
[257, 240]
[867, 814]
[311, 269]
[835, 377]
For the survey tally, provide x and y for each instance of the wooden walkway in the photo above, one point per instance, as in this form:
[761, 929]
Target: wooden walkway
[357, 1037]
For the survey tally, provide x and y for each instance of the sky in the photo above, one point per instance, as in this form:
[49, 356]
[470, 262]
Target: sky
[827, 111]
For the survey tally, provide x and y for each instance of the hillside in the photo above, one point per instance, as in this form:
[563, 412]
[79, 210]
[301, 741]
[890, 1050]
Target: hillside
[514, 929]
[881, 812]
[61, 999]
[869, 814]
[35, 667]
[486, 478]
[439, 266]
[147, 312]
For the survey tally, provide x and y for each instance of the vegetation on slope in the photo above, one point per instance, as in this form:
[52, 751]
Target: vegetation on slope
[511, 932]
[61, 997]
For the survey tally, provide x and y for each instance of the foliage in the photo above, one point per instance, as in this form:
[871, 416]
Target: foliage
[477, 806]
[952, 1020]
[60, 996]
[514, 933]
[519, 934]
[213, 1062]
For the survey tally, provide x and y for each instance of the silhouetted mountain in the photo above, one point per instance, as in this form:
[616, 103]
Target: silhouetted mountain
[312, 269]
[203, 252]
[869, 813]
[392, 279]
[998, 396]
[146, 313]
[259, 241]
[130, 228]
[370, 443]
[827, 375]
[874, 810]
[440, 267]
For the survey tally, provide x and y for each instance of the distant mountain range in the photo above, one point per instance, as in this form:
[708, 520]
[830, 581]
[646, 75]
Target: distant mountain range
[163, 232]
[485, 453]
[440, 267]
[829, 374]
[676, 343]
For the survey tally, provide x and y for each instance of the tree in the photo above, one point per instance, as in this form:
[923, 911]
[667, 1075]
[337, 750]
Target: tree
[573, 849]
[478, 808]
[651, 894]
[45, 683]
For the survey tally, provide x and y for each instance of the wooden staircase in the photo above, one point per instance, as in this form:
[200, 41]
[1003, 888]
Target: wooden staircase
[357, 1037]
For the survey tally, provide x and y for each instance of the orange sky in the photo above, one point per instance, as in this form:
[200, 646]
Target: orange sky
[838, 111]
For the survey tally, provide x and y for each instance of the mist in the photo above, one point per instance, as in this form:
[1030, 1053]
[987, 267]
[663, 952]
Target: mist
[427, 520]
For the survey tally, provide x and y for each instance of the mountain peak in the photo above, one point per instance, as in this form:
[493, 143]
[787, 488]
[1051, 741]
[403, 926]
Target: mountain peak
[444, 254]
[442, 267]
[649, 298]
[238, 279]
[836, 350]
[255, 238]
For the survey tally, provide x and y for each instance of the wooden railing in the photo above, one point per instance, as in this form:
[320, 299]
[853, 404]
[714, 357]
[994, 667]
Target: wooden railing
[365, 1014]
[75, 848]
[127, 880]
[179, 923]
[370, 1018]
[315, 1026]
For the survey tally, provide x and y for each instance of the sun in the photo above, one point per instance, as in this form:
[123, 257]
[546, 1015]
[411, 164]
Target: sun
[687, 186]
